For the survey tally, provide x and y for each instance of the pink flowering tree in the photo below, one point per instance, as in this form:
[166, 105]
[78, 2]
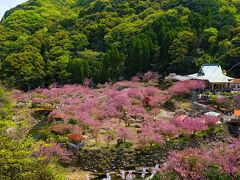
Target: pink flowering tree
[96, 126]
[188, 164]
[127, 134]
[46, 151]
[227, 156]
[150, 138]
[149, 134]
[109, 137]
[186, 86]
[165, 128]
[194, 163]
[220, 100]
[190, 125]
[224, 102]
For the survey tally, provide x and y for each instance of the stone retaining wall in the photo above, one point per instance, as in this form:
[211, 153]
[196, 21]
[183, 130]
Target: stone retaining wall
[102, 160]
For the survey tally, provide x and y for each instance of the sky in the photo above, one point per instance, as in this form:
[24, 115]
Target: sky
[8, 4]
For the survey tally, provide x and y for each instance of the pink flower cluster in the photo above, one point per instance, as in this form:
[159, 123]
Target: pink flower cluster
[189, 124]
[192, 163]
[47, 151]
[127, 134]
[187, 86]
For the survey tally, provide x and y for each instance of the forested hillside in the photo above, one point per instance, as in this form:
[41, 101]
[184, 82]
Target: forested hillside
[65, 41]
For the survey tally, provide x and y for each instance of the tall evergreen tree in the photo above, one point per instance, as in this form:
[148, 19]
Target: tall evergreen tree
[112, 65]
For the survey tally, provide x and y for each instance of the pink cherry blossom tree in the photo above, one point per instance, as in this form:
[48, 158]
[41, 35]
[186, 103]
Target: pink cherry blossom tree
[127, 134]
[47, 151]
[186, 86]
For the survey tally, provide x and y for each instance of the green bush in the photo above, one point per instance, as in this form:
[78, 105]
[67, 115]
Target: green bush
[72, 121]
[214, 172]
[167, 176]
[169, 105]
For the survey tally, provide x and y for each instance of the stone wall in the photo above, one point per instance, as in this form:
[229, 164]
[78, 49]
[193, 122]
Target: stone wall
[102, 160]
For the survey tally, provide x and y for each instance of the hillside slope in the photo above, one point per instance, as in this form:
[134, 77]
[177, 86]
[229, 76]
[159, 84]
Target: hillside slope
[65, 41]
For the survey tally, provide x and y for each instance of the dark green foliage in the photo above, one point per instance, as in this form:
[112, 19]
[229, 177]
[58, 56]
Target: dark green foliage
[112, 65]
[24, 69]
[5, 106]
[181, 60]
[109, 39]
[72, 121]
[169, 105]
[79, 69]
[140, 54]
[214, 172]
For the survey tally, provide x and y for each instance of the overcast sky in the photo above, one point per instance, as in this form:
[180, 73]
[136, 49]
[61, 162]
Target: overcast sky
[8, 4]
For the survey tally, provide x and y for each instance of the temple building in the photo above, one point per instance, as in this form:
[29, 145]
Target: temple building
[213, 75]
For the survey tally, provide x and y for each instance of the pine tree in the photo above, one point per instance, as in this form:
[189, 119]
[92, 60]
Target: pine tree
[112, 65]
[75, 67]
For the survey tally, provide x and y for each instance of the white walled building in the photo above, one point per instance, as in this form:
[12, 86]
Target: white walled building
[214, 77]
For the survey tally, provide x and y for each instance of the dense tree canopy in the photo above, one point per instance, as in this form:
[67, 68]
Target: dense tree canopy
[42, 42]
[15, 151]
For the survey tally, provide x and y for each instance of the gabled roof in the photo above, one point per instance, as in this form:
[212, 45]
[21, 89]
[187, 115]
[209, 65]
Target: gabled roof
[211, 72]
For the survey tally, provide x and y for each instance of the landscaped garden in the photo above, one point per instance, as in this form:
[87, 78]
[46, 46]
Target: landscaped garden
[127, 89]
[127, 125]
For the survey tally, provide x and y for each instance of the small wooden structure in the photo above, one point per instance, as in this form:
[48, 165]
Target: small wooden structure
[235, 84]
[76, 137]
[76, 142]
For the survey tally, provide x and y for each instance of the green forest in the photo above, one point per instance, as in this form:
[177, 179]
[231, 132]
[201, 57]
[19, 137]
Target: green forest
[66, 41]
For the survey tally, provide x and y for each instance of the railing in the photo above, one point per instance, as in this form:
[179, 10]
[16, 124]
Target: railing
[126, 174]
